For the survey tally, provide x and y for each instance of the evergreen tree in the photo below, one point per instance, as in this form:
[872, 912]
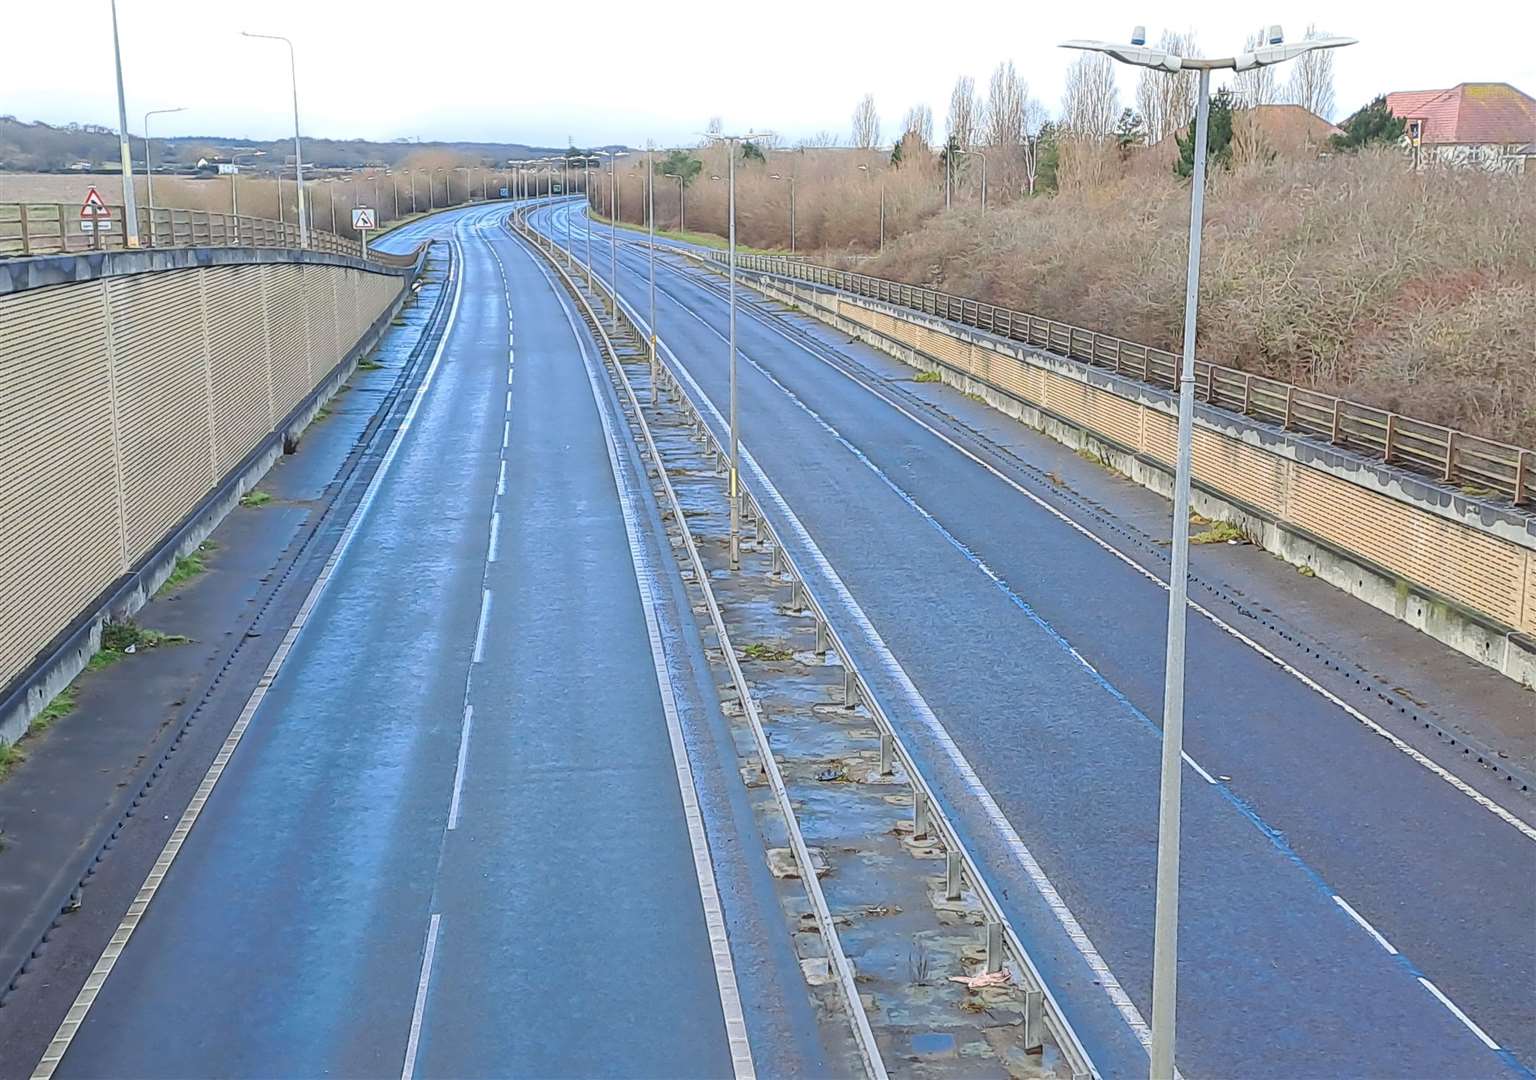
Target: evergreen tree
[1218, 148]
[1372, 124]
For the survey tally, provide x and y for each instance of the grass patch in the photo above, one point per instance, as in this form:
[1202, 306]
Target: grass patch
[1306, 571]
[187, 567]
[15, 753]
[1093, 457]
[322, 413]
[368, 365]
[928, 376]
[977, 398]
[126, 638]
[1220, 532]
[256, 497]
[11, 756]
[757, 651]
[61, 706]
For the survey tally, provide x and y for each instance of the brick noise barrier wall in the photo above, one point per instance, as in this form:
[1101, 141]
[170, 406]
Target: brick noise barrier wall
[141, 393]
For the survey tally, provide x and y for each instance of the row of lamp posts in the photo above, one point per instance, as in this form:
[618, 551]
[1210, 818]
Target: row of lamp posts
[1272, 50]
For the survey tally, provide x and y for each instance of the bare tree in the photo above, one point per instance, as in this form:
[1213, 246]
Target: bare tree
[964, 120]
[1091, 104]
[1167, 101]
[866, 123]
[821, 140]
[1003, 122]
[1255, 86]
[918, 122]
[1311, 84]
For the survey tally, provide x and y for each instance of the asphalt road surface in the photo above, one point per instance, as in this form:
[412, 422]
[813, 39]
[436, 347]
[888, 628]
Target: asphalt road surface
[455, 839]
[1348, 908]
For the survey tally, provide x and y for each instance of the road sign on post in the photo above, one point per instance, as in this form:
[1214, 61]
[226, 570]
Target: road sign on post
[363, 219]
[95, 216]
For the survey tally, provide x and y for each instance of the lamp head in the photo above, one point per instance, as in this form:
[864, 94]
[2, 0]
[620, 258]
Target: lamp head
[1135, 53]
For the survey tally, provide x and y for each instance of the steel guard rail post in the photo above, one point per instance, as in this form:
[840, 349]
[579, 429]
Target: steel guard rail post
[1003, 945]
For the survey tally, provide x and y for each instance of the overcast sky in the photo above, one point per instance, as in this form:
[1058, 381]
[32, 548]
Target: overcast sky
[539, 73]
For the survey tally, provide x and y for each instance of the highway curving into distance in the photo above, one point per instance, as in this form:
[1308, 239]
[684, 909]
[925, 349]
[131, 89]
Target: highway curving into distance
[1351, 905]
[463, 832]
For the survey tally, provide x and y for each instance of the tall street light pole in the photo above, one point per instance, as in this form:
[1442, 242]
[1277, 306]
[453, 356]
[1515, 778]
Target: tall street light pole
[234, 178]
[613, 229]
[586, 219]
[298, 152]
[124, 148]
[790, 180]
[865, 169]
[149, 168]
[650, 218]
[1166, 923]
[732, 141]
[978, 153]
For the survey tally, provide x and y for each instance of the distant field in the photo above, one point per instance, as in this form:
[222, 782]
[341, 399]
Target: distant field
[60, 188]
[258, 194]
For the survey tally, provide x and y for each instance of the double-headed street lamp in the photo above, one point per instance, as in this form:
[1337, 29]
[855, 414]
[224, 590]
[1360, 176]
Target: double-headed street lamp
[1166, 929]
[613, 226]
[790, 180]
[298, 153]
[866, 169]
[732, 142]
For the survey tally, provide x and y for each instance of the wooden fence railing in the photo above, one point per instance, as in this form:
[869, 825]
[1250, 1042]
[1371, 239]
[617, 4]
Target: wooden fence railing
[1479, 465]
[53, 228]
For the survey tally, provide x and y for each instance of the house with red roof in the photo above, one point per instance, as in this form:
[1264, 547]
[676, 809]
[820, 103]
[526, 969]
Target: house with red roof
[1487, 125]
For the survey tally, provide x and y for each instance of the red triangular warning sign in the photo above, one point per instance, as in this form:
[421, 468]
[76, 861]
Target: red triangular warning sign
[93, 205]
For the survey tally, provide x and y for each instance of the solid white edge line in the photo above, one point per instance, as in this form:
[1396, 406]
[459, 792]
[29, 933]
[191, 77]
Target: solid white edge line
[1367, 927]
[962, 766]
[1193, 764]
[1463, 1017]
[414, 1042]
[458, 772]
[485, 614]
[59, 1045]
[1419, 758]
[709, 894]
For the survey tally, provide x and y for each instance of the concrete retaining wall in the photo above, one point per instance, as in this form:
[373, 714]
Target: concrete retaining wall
[1458, 568]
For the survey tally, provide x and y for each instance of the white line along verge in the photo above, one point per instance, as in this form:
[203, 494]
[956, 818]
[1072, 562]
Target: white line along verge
[413, 1044]
[714, 916]
[1306, 680]
[485, 615]
[1463, 1017]
[135, 914]
[919, 706]
[458, 771]
[1367, 927]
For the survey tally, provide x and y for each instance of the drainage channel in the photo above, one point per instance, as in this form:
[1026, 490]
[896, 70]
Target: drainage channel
[893, 925]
